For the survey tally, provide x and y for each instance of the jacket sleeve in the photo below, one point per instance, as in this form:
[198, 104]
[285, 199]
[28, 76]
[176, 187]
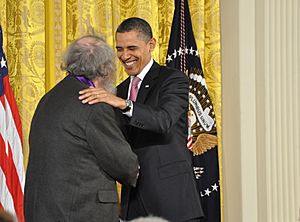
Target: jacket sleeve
[107, 142]
[172, 103]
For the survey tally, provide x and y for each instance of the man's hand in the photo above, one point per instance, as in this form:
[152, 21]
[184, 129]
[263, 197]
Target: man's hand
[97, 95]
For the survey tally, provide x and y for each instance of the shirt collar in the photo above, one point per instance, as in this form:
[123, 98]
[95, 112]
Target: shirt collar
[145, 70]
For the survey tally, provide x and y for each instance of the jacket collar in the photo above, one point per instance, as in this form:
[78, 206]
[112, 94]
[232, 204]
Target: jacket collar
[146, 85]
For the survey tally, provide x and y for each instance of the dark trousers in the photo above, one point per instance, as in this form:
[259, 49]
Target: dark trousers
[136, 208]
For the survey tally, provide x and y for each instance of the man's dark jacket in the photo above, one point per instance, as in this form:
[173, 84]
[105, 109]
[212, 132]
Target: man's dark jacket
[77, 152]
[157, 133]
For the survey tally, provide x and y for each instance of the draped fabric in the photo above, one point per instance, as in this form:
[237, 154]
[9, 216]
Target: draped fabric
[36, 33]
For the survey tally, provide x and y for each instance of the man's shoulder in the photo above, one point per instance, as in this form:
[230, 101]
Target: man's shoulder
[102, 109]
[167, 69]
[169, 72]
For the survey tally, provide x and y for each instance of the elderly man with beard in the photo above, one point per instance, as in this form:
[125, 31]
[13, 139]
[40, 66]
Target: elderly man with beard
[77, 151]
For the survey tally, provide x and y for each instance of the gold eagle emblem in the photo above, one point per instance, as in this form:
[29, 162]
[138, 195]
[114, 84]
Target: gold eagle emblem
[204, 143]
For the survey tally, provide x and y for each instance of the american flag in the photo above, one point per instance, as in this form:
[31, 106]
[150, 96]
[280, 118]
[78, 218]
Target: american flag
[12, 176]
[202, 132]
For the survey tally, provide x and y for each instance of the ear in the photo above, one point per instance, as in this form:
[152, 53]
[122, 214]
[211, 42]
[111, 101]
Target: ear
[152, 44]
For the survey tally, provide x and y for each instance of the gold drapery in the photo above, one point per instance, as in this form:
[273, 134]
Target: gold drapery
[37, 31]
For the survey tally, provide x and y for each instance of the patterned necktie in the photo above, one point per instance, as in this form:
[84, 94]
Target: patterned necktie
[134, 88]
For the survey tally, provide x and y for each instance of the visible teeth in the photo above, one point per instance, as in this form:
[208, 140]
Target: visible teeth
[129, 63]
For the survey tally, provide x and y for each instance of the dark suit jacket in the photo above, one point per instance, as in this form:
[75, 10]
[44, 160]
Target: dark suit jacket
[76, 154]
[157, 133]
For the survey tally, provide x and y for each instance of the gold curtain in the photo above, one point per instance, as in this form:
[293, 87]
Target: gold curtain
[36, 33]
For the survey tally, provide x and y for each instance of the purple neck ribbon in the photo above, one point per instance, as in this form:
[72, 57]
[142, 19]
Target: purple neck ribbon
[83, 79]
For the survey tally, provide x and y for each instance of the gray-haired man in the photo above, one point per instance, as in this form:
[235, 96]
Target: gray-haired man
[77, 151]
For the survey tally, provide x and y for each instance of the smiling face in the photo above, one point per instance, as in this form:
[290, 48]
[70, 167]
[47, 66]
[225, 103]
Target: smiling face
[134, 51]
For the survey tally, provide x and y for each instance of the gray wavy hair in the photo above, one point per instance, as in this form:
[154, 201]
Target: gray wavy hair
[90, 56]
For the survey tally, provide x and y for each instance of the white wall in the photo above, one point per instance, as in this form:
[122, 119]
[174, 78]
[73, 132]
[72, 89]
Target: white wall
[261, 107]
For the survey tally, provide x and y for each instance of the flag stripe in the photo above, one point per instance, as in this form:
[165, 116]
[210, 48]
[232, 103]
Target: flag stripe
[10, 135]
[6, 200]
[12, 180]
[13, 105]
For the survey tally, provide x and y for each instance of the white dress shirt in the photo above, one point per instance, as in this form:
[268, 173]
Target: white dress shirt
[141, 76]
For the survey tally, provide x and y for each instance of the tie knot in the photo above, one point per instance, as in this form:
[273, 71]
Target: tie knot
[135, 81]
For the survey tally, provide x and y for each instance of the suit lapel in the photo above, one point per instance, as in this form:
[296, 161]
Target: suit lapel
[148, 83]
[122, 89]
